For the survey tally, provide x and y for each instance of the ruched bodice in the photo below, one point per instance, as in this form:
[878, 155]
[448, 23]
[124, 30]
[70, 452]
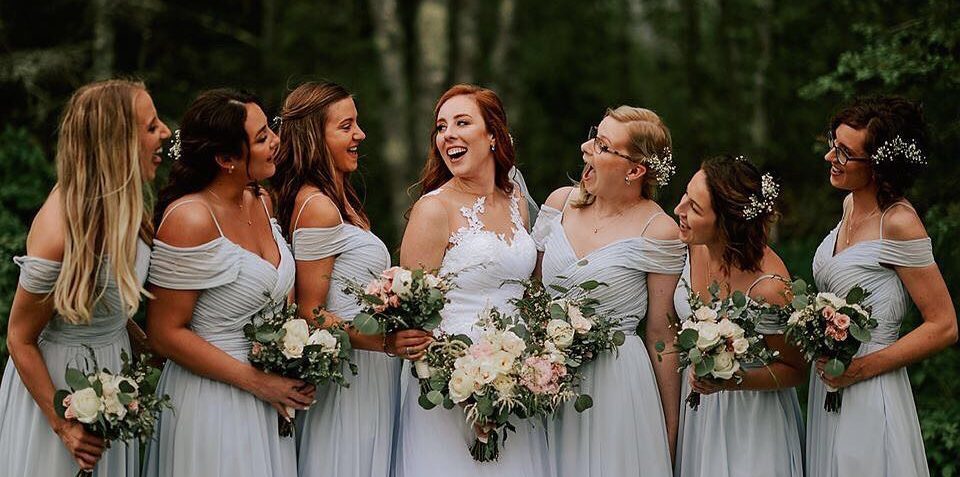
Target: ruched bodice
[108, 324]
[622, 265]
[361, 256]
[236, 284]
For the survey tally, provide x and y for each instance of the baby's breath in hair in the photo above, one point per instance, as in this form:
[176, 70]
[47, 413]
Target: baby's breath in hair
[277, 122]
[898, 149]
[663, 166]
[176, 147]
[769, 191]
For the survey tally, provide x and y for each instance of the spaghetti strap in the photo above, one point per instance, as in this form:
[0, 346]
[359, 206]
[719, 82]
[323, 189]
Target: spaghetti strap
[566, 201]
[304, 206]
[171, 209]
[760, 279]
[888, 209]
[650, 221]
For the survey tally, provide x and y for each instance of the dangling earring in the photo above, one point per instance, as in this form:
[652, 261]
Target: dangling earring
[626, 179]
[493, 147]
[230, 171]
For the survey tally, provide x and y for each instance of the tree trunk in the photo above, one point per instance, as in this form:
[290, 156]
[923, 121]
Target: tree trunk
[690, 47]
[467, 42]
[502, 82]
[389, 41]
[103, 39]
[759, 131]
[432, 24]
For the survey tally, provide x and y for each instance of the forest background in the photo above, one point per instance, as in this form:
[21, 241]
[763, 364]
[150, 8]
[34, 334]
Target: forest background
[753, 77]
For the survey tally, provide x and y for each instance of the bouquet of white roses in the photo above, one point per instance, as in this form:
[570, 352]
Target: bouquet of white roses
[494, 379]
[825, 325]
[283, 343]
[401, 299]
[114, 406]
[720, 337]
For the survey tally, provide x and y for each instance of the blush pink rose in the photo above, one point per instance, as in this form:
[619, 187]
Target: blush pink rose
[481, 350]
[828, 313]
[841, 321]
[69, 414]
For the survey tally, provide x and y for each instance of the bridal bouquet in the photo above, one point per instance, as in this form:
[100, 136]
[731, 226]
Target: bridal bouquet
[825, 325]
[114, 406]
[499, 376]
[720, 337]
[401, 299]
[283, 343]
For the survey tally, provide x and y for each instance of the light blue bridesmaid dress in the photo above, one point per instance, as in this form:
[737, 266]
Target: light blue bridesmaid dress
[624, 433]
[349, 431]
[28, 446]
[215, 429]
[876, 432]
[738, 433]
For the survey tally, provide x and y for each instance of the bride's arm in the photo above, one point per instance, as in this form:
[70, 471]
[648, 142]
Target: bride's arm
[424, 244]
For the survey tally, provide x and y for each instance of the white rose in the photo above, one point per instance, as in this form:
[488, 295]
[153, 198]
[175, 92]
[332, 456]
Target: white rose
[511, 343]
[561, 302]
[690, 325]
[295, 338]
[560, 332]
[467, 364]
[504, 385]
[461, 386]
[709, 335]
[402, 283]
[740, 345]
[109, 384]
[503, 361]
[705, 313]
[86, 405]
[724, 365]
[828, 298]
[432, 280]
[729, 329]
[494, 338]
[325, 339]
[112, 407]
[580, 323]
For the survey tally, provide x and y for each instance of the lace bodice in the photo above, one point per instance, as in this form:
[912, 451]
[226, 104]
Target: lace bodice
[482, 261]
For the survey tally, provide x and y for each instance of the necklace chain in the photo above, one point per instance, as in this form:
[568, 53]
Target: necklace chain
[609, 219]
[249, 220]
[858, 223]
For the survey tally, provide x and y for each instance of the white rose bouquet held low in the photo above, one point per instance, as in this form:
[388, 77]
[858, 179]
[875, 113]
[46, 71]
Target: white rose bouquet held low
[498, 377]
[401, 299]
[114, 406]
[720, 337]
[283, 343]
[825, 325]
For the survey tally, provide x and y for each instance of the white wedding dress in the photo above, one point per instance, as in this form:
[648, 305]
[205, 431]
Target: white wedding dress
[436, 443]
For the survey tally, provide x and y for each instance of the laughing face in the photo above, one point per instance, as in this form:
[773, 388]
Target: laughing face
[604, 164]
[855, 174]
[462, 138]
[342, 135]
[152, 132]
[262, 145]
[698, 221]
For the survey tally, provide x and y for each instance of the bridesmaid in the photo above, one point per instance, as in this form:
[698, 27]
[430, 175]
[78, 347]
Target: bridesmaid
[216, 254]
[881, 245]
[109, 133]
[609, 229]
[349, 431]
[755, 428]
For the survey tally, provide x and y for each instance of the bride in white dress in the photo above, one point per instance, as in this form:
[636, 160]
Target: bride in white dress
[469, 222]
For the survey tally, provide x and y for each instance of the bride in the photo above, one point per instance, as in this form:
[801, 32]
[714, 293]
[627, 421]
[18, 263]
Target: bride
[469, 222]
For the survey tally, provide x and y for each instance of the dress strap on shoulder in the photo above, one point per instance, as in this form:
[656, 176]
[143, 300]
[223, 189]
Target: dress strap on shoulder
[304, 206]
[650, 221]
[212, 215]
[760, 279]
[888, 210]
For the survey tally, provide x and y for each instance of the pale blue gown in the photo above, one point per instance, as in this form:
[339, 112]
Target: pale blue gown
[624, 433]
[215, 429]
[349, 431]
[28, 446]
[435, 443]
[876, 432]
[738, 433]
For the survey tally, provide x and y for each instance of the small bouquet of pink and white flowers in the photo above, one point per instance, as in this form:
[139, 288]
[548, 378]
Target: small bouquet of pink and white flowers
[283, 343]
[113, 406]
[720, 337]
[401, 299]
[825, 325]
[498, 377]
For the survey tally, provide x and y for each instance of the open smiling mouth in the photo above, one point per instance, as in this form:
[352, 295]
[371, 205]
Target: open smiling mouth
[587, 172]
[455, 153]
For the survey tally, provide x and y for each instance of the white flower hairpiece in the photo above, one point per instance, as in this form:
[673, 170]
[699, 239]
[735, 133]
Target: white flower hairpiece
[663, 166]
[277, 122]
[895, 148]
[177, 147]
[769, 191]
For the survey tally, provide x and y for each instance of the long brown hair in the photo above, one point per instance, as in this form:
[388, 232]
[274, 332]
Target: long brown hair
[303, 157]
[101, 193]
[435, 172]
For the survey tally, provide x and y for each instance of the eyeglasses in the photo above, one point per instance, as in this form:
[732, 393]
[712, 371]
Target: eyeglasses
[600, 146]
[842, 156]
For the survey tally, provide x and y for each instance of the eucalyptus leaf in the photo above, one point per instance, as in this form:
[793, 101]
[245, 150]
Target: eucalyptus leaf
[583, 402]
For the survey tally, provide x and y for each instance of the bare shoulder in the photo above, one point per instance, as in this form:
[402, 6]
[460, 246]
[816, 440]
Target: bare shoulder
[772, 290]
[902, 223]
[663, 227]
[430, 211]
[47, 236]
[188, 222]
[318, 210]
[559, 197]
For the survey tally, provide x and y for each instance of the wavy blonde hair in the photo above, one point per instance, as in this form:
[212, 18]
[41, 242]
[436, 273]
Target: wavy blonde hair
[649, 137]
[102, 196]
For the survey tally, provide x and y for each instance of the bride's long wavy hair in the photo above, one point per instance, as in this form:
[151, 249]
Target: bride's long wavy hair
[435, 172]
[303, 157]
[102, 197]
